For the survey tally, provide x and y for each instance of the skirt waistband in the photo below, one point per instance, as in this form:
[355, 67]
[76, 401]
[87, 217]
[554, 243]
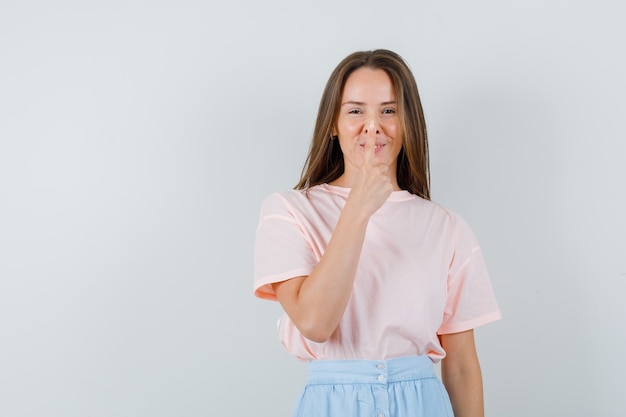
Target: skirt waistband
[370, 372]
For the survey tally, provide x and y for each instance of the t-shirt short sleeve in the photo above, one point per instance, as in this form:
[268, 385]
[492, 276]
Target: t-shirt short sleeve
[470, 300]
[281, 249]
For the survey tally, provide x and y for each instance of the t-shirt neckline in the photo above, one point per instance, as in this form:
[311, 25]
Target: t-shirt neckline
[402, 195]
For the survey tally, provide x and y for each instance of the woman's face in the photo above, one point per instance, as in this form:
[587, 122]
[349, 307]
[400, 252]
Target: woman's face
[368, 102]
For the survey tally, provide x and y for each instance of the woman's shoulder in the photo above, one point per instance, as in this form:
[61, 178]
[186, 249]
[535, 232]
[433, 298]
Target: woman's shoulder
[455, 222]
[438, 212]
[290, 199]
[440, 209]
[278, 200]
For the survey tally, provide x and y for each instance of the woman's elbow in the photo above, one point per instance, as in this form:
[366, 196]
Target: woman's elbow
[316, 332]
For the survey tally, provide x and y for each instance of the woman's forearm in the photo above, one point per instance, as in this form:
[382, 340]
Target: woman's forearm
[466, 393]
[461, 374]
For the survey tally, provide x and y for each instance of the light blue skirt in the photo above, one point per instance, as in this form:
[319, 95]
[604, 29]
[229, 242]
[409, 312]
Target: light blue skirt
[401, 387]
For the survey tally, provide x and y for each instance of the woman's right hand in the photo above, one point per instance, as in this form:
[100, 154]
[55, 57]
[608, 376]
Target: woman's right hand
[373, 185]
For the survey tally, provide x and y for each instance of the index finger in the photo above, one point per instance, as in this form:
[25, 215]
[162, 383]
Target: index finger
[370, 144]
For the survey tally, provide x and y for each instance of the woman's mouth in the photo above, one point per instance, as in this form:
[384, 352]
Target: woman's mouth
[376, 147]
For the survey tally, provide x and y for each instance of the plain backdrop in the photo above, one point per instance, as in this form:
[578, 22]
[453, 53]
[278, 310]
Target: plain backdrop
[138, 138]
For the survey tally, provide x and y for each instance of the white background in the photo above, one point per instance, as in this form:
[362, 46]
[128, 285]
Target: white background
[137, 140]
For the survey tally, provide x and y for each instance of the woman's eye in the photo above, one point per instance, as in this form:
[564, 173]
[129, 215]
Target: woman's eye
[355, 111]
[389, 111]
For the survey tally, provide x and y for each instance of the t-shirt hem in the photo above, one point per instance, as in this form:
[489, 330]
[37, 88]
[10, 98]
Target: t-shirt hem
[263, 287]
[469, 324]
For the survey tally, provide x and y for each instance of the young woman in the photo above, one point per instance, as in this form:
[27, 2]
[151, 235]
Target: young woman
[377, 282]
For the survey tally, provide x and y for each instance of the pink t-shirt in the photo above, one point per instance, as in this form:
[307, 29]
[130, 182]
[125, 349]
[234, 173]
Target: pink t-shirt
[420, 274]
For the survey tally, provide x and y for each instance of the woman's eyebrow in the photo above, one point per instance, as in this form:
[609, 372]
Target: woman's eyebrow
[360, 103]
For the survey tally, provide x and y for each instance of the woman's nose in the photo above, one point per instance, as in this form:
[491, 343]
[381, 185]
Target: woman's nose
[371, 126]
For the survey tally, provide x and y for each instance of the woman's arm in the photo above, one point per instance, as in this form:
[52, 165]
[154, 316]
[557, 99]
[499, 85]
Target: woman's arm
[316, 303]
[460, 371]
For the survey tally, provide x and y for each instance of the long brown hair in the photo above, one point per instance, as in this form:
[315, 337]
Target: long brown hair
[325, 163]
